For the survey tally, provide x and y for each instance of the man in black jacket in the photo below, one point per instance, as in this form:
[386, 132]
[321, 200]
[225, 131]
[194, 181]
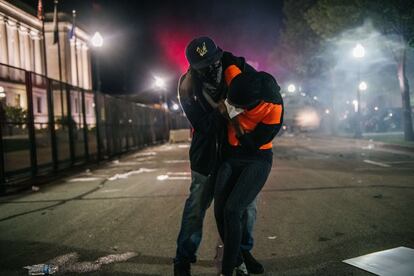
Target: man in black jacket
[202, 91]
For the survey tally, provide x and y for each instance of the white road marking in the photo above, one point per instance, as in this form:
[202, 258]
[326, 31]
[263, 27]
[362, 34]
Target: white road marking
[183, 146]
[178, 173]
[84, 179]
[175, 161]
[125, 163]
[377, 163]
[145, 154]
[126, 175]
[143, 159]
[164, 177]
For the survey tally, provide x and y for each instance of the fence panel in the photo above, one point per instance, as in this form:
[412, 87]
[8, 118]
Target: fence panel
[14, 123]
[47, 125]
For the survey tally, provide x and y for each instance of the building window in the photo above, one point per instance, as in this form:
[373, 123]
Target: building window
[87, 107]
[76, 105]
[39, 104]
[17, 100]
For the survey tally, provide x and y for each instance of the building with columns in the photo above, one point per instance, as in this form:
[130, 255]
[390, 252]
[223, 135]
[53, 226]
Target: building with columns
[21, 48]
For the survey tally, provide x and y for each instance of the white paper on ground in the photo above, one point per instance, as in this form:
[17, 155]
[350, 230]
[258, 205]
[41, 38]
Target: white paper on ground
[393, 262]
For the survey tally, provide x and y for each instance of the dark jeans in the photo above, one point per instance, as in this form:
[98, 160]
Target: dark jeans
[200, 198]
[238, 183]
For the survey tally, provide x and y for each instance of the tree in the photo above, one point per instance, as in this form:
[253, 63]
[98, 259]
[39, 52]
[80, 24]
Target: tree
[329, 18]
[298, 43]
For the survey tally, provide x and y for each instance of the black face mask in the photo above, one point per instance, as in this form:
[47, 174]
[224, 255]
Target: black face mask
[212, 73]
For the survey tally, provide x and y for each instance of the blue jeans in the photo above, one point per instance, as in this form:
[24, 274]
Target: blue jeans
[196, 205]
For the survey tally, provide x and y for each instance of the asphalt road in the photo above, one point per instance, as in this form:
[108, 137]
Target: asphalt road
[326, 200]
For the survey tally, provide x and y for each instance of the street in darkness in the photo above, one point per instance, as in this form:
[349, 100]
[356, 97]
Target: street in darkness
[326, 200]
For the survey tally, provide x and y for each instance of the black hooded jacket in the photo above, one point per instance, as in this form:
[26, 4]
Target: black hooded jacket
[209, 127]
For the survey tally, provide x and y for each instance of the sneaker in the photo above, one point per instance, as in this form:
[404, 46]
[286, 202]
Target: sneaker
[182, 269]
[252, 265]
[241, 270]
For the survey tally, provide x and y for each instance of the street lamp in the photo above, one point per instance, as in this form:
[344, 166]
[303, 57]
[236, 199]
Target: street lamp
[363, 86]
[2, 93]
[291, 88]
[159, 83]
[359, 52]
[97, 40]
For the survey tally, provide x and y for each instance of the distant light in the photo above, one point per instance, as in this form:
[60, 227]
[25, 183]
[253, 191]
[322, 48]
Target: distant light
[303, 94]
[283, 95]
[291, 88]
[345, 116]
[355, 103]
[284, 127]
[348, 102]
[376, 108]
[159, 82]
[390, 115]
[363, 86]
[358, 51]
[97, 40]
[327, 111]
[175, 107]
[2, 93]
[130, 121]
[315, 98]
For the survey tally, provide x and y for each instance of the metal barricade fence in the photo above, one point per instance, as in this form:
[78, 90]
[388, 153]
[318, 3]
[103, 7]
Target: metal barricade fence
[48, 126]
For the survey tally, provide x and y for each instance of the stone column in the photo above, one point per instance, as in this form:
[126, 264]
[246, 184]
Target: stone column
[38, 54]
[4, 53]
[23, 32]
[27, 50]
[85, 70]
[11, 33]
[73, 63]
[80, 63]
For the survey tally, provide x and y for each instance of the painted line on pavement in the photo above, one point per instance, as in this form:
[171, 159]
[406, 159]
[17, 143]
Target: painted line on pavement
[377, 163]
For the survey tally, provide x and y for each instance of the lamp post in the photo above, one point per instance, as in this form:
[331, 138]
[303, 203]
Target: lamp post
[159, 84]
[358, 52]
[97, 43]
[2, 123]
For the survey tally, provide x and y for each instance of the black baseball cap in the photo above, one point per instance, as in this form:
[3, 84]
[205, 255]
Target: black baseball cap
[202, 52]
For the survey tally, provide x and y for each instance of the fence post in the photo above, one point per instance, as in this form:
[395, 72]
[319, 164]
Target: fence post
[30, 123]
[85, 126]
[70, 125]
[98, 135]
[51, 114]
[2, 171]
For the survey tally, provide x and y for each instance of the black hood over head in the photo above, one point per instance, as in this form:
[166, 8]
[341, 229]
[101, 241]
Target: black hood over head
[250, 87]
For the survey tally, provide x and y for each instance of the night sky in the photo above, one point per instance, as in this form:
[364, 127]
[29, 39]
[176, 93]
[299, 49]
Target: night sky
[147, 38]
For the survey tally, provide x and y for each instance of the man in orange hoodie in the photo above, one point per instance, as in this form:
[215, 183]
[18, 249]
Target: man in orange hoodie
[248, 160]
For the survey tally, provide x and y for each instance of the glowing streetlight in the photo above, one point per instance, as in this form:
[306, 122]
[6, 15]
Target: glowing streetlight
[376, 108]
[291, 88]
[315, 98]
[327, 111]
[363, 86]
[97, 40]
[358, 51]
[2, 93]
[175, 107]
[159, 82]
[355, 103]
